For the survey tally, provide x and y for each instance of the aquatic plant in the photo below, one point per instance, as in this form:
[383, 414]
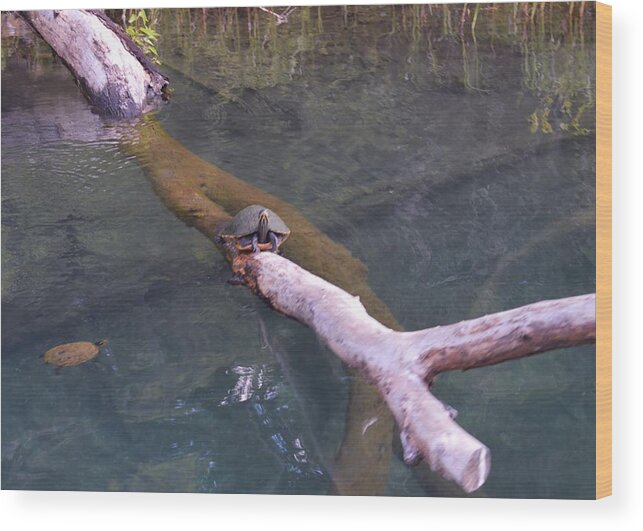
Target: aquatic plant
[140, 29]
[436, 46]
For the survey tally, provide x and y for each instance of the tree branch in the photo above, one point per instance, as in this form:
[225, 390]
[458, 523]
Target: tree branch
[400, 363]
[498, 337]
[205, 196]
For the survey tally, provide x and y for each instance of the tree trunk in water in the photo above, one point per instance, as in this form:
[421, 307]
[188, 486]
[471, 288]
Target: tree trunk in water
[113, 73]
[356, 325]
[205, 197]
[403, 364]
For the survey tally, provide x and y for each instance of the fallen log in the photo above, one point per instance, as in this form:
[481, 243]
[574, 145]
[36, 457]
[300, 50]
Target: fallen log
[114, 75]
[205, 196]
[403, 364]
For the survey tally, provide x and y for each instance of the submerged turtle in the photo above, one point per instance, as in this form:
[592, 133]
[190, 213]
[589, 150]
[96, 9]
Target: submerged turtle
[255, 228]
[73, 353]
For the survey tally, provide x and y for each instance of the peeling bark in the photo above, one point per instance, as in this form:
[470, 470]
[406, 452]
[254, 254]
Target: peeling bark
[114, 75]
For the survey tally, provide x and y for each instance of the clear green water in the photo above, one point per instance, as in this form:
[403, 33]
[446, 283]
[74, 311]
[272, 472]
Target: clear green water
[401, 142]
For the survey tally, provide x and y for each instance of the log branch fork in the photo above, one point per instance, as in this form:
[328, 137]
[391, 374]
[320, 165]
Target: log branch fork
[403, 364]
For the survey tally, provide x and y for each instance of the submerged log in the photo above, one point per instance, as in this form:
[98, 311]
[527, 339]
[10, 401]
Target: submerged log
[556, 229]
[113, 73]
[401, 365]
[205, 197]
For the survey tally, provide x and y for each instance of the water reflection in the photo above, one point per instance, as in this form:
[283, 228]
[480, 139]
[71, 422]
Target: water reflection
[231, 50]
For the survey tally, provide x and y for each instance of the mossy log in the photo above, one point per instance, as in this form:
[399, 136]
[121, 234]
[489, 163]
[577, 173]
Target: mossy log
[206, 197]
[115, 76]
[400, 364]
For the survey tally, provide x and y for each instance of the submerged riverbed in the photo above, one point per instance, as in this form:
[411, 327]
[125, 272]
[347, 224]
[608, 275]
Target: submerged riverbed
[455, 160]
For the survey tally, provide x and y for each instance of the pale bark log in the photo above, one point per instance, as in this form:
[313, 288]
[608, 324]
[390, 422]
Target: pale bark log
[113, 73]
[205, 197]
[498, 337]
[402, 364]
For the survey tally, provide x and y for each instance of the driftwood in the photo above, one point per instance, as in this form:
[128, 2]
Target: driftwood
[400, 364]
[205, 197]
[403, 364]
[113, 73]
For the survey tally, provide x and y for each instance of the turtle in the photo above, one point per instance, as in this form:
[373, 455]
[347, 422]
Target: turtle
[70, 354]
[255, 228]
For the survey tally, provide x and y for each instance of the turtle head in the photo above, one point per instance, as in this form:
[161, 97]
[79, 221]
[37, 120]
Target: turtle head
[263, 226]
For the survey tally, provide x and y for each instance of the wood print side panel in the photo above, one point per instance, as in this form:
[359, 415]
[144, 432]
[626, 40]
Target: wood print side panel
[603, 250]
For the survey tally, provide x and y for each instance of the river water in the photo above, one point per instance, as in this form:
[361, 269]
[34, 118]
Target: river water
[454, 158]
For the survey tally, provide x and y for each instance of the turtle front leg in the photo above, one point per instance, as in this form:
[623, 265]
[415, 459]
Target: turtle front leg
[255, 241]
[274, 241]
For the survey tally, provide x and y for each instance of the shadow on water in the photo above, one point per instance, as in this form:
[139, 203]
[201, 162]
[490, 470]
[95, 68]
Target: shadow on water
[449, 149]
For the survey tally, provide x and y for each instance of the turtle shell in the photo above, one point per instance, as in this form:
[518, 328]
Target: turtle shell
[70, 354]
[246, 222]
